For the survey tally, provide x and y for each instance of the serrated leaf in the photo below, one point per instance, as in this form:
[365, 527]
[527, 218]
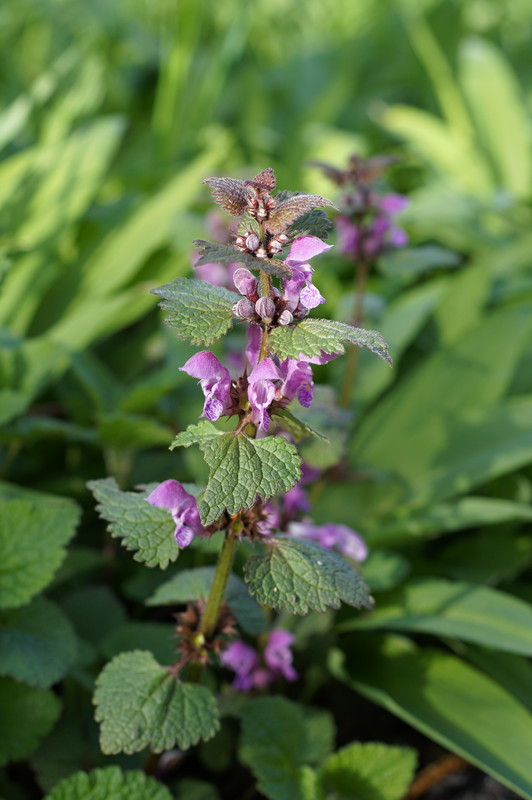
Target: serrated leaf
[139, 704]
[37, 643]
[196, 434]
[200, 312]
[28, 714]
[194, 584]
[368, 771]
[288, 211]
[110, 783]
[33, 535]
[273, 746]
[315, 223]
[311, 337]
[144, 528]
[296, 427]
[300, 576]
[228, 254]
[242, 469]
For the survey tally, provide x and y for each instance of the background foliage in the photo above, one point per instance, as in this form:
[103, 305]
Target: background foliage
[112, 115]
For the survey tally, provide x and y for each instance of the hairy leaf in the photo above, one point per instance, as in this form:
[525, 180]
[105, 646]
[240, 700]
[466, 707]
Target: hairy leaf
[314, 336]
[37, 643]
[27, 716]
[231, 194]
[314, 223]
[368, 771]
[228, 254]
[240, 468]
[144, 528]
[194, 584]
[139, 704]
[291, 209]
[111, 783]
[200, 312]
[300, 576]
[266, 178]
[33, 535]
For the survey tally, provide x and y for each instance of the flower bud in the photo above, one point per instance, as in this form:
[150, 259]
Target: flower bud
[244, 281]
[252, 241]
[240, 241]
[275, 246]
[244, 308]
[265, 307]
[262, 253]
[285, 318]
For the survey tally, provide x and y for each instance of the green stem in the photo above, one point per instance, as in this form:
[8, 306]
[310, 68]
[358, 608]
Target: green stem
[216, 595]
[265, 289]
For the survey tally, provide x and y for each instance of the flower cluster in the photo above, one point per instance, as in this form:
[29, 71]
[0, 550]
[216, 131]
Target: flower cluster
[255, 672]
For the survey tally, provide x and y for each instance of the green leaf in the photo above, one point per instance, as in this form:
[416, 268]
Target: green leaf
[28, 714]
[72, 743]
[458, 610]
[273, 747]
[139, 704]
[300, 576]
[320, 733]
[368, 771]
[37, 643]
[447, 700]
[297, 427]
[227, 254]
[157, 637]
[194, 584]
[384, 570]
[513, 673]
[123, 431]
[200, 312]
[315, 223]
[314, 336]
[33, 535]
[240, 468]
[94, 611]
[110, 783]
[142, 527]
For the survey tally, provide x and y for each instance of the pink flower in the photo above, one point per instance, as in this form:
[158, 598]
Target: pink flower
[262, 390]
[332, 536]
[245, 662]
[183, 508]
[299, 289]
[215, 382]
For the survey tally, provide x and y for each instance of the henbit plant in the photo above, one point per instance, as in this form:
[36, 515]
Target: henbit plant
[295, 565]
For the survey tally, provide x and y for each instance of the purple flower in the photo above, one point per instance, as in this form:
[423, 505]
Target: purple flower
[215, 382]
[262, 390]
[329, 536]
[245, 662]
[183, 508]
[299, 289]
[278, 655]
[297, 379]
[380, 233]
[254, 335]
[295, 501]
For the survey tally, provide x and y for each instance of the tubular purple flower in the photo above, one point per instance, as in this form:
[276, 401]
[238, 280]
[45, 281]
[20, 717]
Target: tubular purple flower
[300, 289]
[295, 501]
[254, 335]
[182, 506]
[261, 390]
[297, 380]
[215, 382]
[332, 536]
[278, 655]
[243, 660]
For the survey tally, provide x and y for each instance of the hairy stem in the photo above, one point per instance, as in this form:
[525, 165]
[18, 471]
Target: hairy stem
[265, 289]
[351, 366]
[216, 594]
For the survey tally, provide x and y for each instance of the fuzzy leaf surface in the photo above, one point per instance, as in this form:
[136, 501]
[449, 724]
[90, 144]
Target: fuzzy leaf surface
[314, 336]
[37, 643]
[28, 714]
[273, 746]
[300, 576]
[142, 527]
[33, 536]
[200, 312]
[139, 704]
[111, 783]
[194, 584]
[241, 468]
[227, 254]
[291, 209]
[230, 193]
[368, 771]
[314, 223]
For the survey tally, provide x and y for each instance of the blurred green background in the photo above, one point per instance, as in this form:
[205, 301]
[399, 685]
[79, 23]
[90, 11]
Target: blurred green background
[112, 115]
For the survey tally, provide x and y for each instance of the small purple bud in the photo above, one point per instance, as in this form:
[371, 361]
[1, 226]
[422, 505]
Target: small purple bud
[244, 281]
[275, 246]
[265, 307]
[244, 308]
[252, 241]
[285, 318]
